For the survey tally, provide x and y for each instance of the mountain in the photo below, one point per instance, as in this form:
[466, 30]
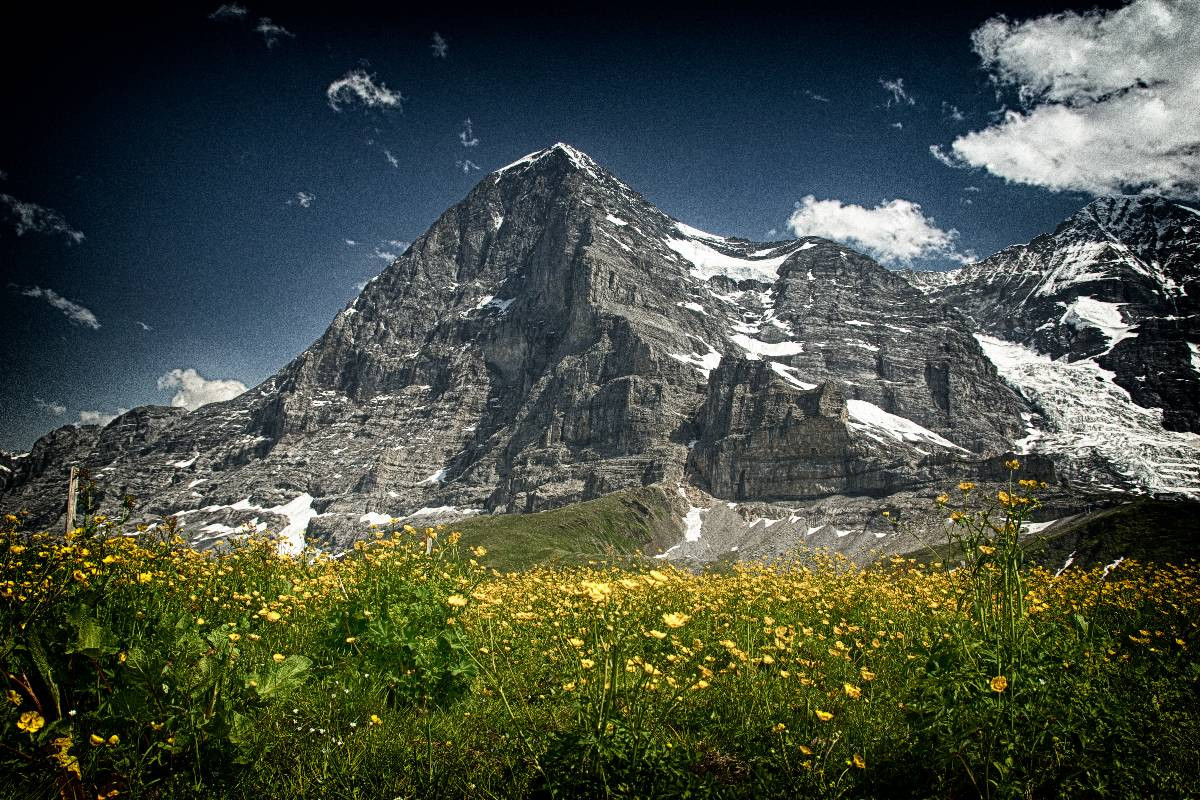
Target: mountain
[554, 338]
[1098, 325]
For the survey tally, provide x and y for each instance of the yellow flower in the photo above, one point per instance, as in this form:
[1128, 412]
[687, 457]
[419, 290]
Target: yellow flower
[114, 740]
[575, 642]
[987, 550]
[656, 634]
[79, 576]
[859, 761]
[199, 620]
[1013, 464]
[233, 637]
[675, 620]
[658, 576]
[145, 577]
[279, 658]
[13, 697]
[95, 740]
[943, 498]
[479, 552]
[31, 722]
[866, 674]
[375, 720]
[778, 727]
[806, 750]
[273, 616]
[586, 663]
[852, 691]
[456, 600]
[17, 549]
[999, 684]
[966, 486]
[351, 639]
[824, 716]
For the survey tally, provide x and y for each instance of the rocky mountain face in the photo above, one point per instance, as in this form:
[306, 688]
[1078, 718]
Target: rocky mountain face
[553, 338]
[1098, 325]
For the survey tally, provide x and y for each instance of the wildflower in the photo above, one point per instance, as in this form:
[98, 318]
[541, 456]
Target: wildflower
[199, 620]
[998, 684]
[575, 642]
[675, 620]
[79, 576]
[114, 740]
[824, 716]
[456, 600]
[14, 697]
[273, 616]
[351, 639]
[587, 663]
[95, 740]
[806, 750]
[658, 576]
[966, 486]
[233, 637]
[279, 658]
[942, 499]
[375, 720]
[859, 761]
[987, 550]
[866, 674]
[31, 722]
[479, 552]
[778, 727]
[145, 577]
[852, 691]
[17, 549]
[1012, 464]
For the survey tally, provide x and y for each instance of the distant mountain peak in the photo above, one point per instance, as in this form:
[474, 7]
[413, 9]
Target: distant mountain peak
[572, 156]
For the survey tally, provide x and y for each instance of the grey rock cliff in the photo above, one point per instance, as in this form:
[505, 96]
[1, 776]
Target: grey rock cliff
[553, 338]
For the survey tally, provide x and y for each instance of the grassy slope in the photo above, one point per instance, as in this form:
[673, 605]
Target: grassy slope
[617, 524]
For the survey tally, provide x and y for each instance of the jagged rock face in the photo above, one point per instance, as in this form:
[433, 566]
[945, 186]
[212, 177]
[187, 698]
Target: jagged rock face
[1098, 326]
[555, 337]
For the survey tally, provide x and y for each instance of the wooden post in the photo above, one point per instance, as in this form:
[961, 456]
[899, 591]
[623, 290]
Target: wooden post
[72, 491]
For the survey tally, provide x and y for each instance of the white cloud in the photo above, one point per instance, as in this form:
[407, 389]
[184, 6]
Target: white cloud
[952, 112]
[386, 255]
[29, 217]
[194, 390]
[53, 407]
[351, 242]
[899, 96]
[228, 11]
[271, 32]
[100, 418]
[439, 46]
[467, 135]
[399, 244]
[142, 325]
[940, 155]
[466, 165]
[302, 199]
[1108, 100]
[359, 86]
[814, 96]
[897, 125]
[391, 159]
[895, 232]
[73, 311]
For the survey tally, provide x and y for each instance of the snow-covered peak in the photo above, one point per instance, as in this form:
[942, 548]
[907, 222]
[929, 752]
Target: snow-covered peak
[577, 157]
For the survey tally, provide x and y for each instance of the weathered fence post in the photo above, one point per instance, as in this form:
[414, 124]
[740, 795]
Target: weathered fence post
[72, 491]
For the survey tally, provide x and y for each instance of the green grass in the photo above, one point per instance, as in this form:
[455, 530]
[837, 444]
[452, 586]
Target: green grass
[617, 525]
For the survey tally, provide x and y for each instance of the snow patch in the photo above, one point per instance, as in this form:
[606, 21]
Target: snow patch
[1089, 312]
[437, 477]
[705, 363]
[299, 513]
[376, 518]
[707, 262]
[755, 347]
[620, 223]
[785, 372]
[187, 463]
[864, 415]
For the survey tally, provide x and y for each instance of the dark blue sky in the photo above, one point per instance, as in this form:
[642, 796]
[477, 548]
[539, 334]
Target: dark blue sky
[178, 146]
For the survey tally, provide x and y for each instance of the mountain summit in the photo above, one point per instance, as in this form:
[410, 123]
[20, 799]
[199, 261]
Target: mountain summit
[555, 337]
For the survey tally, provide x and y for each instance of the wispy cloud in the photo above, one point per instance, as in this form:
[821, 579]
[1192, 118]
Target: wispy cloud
[229, 11]
[399, 244]
[302, 199]
[439, 46]
[391, 159]
[467, 135]
[73, 311]
[53, 407]
[897, 125]
[898, 95]
[100, 418]
[32, 218]
[952, 112]
[271, 32]
[814, 96]
[895, 232]
[194, 390]
[1108, 100]
[358, 86]
[385, 255]
[143, 325]
[466, 165]
[351, 242]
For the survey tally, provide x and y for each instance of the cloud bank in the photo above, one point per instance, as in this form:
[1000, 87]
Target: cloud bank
[32, 218]
[194, 390]
[895, 232]
[1109, 100]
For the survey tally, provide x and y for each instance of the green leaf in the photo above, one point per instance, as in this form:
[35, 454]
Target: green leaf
[91, 638]
[287, 675]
